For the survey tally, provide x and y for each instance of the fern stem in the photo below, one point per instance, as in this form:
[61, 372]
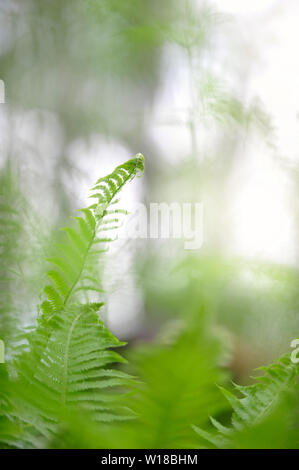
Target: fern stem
[81, 270]
[66, 358]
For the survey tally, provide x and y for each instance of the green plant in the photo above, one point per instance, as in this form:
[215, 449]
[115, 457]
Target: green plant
[257, 405]
[65, 362]
[66, 386]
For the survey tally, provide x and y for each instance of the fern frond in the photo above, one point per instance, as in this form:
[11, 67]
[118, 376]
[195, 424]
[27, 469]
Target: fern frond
[256, 402]
[70, 370]
[68, 364]
[76, 256]
[73, 369]
[177, 388]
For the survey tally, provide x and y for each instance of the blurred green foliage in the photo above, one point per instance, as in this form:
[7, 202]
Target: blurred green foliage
[87, 76]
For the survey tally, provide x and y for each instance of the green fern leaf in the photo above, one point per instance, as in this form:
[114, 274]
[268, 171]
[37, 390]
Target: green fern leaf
[77, 255]
[256, 402]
